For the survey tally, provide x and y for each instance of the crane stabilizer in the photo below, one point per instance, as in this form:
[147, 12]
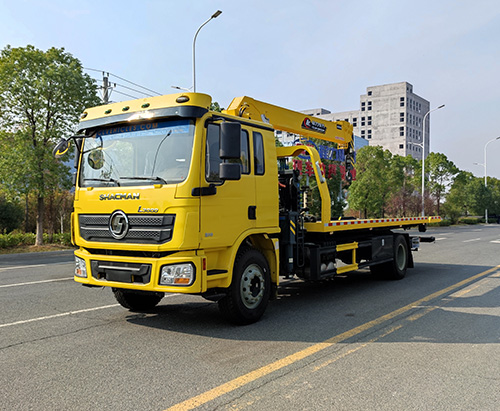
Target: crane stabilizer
[339, 132]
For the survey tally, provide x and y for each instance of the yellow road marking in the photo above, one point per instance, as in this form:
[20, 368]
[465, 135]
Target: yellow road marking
[245, 379]
[345, 354]
[414, 317]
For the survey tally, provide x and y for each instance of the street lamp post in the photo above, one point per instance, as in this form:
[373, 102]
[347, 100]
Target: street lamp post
[423, 156]
[216, 14]
[486, 175]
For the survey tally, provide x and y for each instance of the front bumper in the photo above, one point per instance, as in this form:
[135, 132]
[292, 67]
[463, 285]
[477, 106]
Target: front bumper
[140, 273]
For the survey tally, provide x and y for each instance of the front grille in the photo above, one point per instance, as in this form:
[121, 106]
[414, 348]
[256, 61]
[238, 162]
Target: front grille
[143, 229]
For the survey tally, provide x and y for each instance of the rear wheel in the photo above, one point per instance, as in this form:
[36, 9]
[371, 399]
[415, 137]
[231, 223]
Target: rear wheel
[395, 269]
[137, 300]
[401, 256]
[249, 293]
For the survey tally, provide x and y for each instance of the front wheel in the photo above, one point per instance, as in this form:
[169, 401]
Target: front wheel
[249, 293]
[137, 300]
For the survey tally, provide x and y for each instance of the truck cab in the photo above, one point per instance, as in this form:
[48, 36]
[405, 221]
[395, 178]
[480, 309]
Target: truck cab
[169, 195]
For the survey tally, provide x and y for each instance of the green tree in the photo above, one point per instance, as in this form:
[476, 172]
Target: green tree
[214, 106]
[441, 173]
[11, 214]
[42, 95]
[404, 180]
[371, 190]
[469, 196]
[494, 205]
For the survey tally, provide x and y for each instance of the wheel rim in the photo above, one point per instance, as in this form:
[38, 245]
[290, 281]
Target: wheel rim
[252, 286]
[401, 257]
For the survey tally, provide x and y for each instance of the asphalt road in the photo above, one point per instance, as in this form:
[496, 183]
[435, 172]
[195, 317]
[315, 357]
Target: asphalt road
[430, 341]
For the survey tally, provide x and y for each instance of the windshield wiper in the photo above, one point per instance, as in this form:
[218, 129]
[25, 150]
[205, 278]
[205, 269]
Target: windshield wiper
[152, 178]
[103, 180]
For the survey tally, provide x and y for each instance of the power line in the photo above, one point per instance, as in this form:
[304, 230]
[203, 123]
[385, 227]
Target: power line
[125, 94]
[128, 81]
[138, 85]
[132, 89]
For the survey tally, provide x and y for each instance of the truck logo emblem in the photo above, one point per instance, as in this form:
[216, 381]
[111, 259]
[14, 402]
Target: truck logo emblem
[118, 224]
[309, 124]
[120, 196]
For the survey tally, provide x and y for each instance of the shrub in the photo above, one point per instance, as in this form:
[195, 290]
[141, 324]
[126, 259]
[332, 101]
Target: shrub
[445, 222]
[470, 220]
[17, 239]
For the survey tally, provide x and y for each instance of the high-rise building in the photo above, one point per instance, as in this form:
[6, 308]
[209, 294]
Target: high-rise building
[390, 116]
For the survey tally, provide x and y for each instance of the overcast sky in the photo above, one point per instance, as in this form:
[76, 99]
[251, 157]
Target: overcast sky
[297, 54]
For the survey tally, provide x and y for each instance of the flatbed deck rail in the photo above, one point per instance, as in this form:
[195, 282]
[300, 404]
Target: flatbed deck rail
[343, 225]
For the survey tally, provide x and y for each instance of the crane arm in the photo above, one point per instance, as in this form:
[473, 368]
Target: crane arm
[280, 118]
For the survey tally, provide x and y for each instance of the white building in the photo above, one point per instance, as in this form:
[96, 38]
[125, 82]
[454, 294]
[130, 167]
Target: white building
[390, 116]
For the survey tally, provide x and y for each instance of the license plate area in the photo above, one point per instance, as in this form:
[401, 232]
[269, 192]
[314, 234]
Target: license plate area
[121, 272]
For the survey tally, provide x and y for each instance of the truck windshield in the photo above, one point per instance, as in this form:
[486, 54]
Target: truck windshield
[139, 154]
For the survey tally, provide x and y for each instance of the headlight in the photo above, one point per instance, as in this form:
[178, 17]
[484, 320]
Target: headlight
[177, 274]
[80, 267]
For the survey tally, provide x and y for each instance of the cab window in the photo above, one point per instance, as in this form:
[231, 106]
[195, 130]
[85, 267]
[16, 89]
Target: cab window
[258, 153]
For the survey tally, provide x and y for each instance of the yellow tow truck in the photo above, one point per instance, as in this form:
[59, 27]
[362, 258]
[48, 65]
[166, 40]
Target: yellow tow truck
[172, 197]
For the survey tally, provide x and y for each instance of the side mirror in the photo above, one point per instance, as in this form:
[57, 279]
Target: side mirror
[229, 171]
[230, 141]
[61, 148]
[96, 159]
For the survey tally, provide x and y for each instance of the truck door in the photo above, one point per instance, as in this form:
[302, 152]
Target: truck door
[231, 210]
[266, 182]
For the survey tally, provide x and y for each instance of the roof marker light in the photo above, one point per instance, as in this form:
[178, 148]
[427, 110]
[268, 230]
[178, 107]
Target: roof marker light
[182, 99]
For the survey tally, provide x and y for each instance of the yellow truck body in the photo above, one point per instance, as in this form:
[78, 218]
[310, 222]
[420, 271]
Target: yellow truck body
[213, 224]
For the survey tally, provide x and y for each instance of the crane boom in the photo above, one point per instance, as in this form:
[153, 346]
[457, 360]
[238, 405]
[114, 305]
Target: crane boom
[339, 132]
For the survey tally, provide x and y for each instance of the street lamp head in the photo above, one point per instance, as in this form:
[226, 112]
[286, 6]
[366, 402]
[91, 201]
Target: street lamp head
[182, 88]
[215, 15]
[441, 106]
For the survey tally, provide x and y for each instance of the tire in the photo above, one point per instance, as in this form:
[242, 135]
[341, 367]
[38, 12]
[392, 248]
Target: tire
[395, 269]
[250, 289]
[137, 300]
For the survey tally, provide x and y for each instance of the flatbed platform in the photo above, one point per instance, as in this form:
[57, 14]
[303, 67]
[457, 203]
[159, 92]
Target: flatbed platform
[356, 224]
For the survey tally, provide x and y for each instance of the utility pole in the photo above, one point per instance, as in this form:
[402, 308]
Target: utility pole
[105, 87]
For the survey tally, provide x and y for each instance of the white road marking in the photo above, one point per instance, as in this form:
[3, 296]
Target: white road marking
[441, 238]
[86, 310]
[48, 317]
[473, 239]
[495, 241]
[15, 267]
[36, 282]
